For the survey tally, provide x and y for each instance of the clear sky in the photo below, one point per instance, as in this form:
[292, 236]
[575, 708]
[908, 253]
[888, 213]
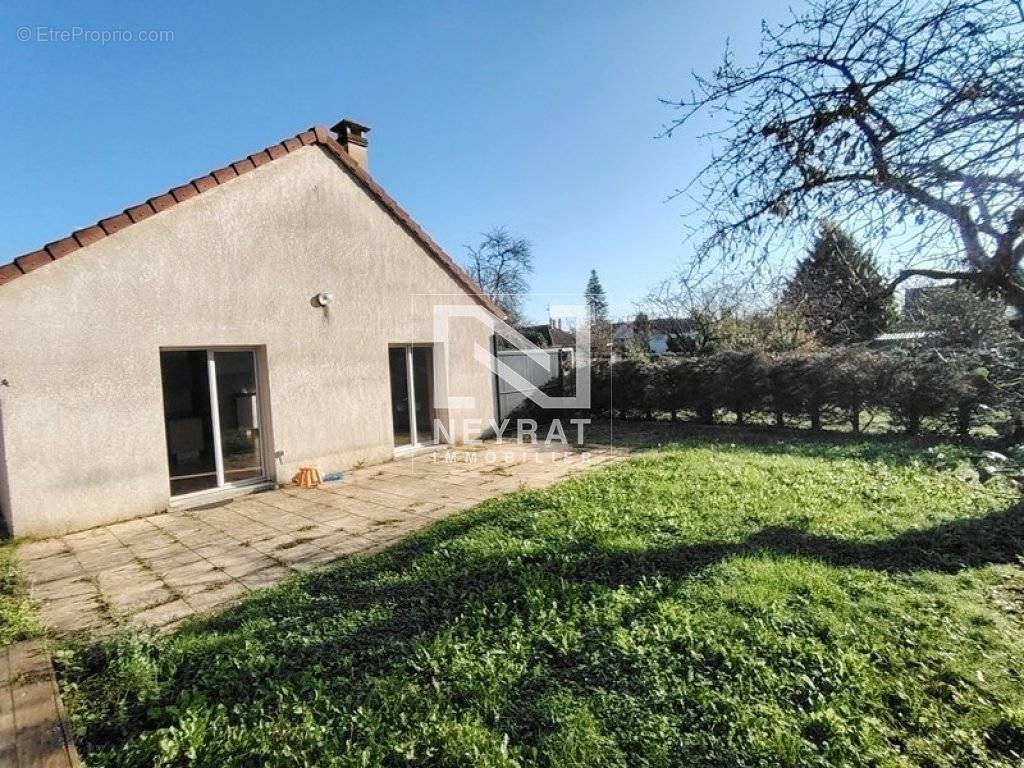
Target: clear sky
[539, 116]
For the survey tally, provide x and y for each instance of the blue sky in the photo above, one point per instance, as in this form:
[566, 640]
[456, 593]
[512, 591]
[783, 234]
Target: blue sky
[537, 116]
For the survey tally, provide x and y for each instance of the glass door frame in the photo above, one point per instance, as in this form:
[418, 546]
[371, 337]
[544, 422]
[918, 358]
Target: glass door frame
[410, 385]
[218, 447]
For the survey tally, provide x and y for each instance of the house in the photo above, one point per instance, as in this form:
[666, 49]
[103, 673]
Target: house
[274, 314]
[550, 335]
[660, 332]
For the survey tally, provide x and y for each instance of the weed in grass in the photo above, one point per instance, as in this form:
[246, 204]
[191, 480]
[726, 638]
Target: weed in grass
[710, 605]
[18, 620]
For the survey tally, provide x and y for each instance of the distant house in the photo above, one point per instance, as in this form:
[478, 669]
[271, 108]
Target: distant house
[549, 334]
[662, 331]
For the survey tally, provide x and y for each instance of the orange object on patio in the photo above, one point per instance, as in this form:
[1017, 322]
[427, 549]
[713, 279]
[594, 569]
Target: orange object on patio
[307, 477]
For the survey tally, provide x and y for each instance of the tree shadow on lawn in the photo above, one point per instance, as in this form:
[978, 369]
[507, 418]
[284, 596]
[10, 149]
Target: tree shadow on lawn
[425, 604]
[348, 626]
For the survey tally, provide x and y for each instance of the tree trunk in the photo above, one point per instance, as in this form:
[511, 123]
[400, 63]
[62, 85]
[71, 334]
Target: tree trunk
[816, 419]
[739, 417]
[963, 419]
[913, 424]
[855, 418]
[780, 418]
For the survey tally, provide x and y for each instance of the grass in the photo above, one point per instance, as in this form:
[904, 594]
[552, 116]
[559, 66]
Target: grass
[708, 605]
[18, 620]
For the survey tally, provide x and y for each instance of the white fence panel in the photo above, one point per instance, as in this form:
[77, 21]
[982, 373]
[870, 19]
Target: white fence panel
[539, 375]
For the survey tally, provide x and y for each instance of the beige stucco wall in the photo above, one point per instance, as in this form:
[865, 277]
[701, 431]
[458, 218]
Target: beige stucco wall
[82, 410]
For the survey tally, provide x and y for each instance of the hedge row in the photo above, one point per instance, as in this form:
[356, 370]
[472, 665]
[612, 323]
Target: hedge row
[838, 384]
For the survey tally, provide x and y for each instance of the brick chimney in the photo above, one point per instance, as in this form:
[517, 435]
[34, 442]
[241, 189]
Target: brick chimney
[352, 136]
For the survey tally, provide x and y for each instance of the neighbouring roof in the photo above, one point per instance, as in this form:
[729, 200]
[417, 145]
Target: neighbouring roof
[900, 337]
[553, 335]
[660, 325]
[318, 135]
[903, 336]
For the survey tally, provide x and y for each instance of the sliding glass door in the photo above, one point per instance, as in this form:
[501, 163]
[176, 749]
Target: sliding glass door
[423, 394]
[211, 414]
[401, 413]
[412, 392]
[188, 419]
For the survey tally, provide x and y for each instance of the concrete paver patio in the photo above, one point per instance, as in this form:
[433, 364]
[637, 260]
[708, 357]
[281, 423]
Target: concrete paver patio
[159, 570]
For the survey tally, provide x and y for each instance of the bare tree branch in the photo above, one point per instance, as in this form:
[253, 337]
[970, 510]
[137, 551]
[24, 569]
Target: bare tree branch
[900, 115]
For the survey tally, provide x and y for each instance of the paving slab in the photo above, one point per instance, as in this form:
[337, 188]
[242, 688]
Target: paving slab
[160, 570]
[33, 728]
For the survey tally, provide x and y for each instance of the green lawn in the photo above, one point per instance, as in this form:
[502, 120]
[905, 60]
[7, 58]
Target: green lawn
[711, 604]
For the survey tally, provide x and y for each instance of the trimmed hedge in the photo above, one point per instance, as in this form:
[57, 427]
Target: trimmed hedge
[837, 385]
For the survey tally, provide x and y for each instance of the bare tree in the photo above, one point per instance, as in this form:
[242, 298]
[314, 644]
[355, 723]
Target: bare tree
[703, 317]
[693, 313]
[898, 117]
[501, 265]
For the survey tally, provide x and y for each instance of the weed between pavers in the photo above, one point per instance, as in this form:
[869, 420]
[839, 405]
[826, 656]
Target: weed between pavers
[295, 542]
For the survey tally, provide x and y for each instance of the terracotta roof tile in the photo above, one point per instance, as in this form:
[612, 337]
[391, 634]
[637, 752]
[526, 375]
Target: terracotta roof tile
[33, 260]
[61, 248]
[9, 272]
[115, 223]
[317, 135]
[204, 183]
[184, 192]
[243, 166]
[224, 174]
[89, 235]
[161, 202]
[140, 212]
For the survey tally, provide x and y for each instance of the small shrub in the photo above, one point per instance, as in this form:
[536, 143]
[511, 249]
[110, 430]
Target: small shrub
[699, 380]
[856, 381]
[668, 391]
[783, 376]
[921, 385]
[742, 382]
[600, 387]
[632, 384]
[816, 382]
